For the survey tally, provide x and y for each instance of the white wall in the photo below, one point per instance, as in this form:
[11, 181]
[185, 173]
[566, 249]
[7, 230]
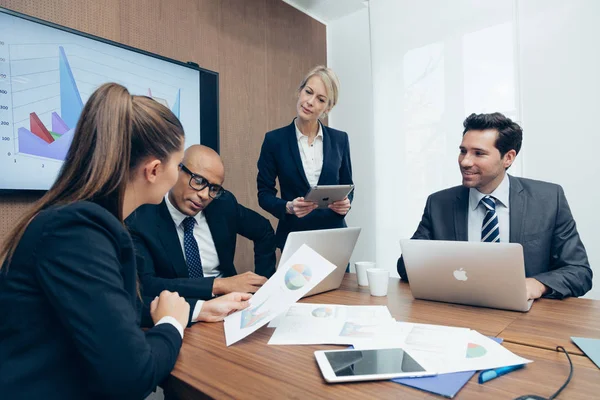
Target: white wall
[560, 74]
[349, 54]
[434, 62]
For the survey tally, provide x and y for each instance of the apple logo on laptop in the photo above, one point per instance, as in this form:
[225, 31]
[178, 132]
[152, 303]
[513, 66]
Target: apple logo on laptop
[460, 275]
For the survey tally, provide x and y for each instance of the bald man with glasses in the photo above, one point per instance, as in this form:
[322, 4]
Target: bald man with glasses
[186, 244]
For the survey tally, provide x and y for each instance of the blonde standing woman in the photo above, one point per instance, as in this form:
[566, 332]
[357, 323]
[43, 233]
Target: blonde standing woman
[303, 154]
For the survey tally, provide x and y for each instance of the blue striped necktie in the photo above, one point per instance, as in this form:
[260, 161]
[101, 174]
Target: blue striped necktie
[192, 253]
[490, 229]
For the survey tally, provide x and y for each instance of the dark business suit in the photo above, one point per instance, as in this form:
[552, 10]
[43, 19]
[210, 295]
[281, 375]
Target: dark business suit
[540, 220]
[280, 159]
[161, 263]
[69, 325]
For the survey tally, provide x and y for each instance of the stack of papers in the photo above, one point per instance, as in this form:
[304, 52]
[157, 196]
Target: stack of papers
[332, 324]
[454, 353]
[447, 385]
[445, 349]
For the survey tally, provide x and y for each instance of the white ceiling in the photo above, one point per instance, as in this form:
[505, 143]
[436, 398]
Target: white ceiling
[328, 10]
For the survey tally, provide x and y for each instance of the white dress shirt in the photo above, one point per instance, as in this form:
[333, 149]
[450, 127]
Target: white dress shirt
[477, 211]
[171, 320]
[206, 245]
[311, 154]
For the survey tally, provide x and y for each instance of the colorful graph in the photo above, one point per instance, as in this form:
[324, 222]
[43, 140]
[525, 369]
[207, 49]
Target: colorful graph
[251, 316]
[322, 312]
[297, 276]
[474, 351]
[38, 140]
[357, 330]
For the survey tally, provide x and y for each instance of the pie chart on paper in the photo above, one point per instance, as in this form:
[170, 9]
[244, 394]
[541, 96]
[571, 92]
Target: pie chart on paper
[322, 312]
[297, 276]
[475, 351]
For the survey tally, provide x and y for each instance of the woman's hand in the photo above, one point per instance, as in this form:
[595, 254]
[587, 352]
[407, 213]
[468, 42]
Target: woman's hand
[217, 309]
[299, 207]
[341, 207]
[172, 305]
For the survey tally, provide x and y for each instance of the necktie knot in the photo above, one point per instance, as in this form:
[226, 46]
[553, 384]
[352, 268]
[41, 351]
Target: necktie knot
[188, 224]
[489, 203]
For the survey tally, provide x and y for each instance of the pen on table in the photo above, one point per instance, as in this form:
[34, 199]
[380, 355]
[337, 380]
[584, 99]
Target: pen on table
[490, 374]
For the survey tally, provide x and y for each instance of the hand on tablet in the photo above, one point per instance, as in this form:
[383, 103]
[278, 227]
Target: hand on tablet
[300, 207]
[341, 207]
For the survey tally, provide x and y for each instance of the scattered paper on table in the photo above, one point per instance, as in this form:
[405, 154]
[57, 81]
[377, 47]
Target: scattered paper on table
[305, 323]
[485, 353]
[446, 349]
[303, 271]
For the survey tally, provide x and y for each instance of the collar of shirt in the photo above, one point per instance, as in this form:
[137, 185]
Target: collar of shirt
[300, 135]
[177, 215]
[501, 194]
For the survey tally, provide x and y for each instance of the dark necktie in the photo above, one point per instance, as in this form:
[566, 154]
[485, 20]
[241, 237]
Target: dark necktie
[490, 229]
[192, 253]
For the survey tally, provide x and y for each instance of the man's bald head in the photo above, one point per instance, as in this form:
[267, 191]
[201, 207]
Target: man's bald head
[203, 162]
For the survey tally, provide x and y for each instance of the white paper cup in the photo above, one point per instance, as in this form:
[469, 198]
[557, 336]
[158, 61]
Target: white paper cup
[361, 271]
[378, 281]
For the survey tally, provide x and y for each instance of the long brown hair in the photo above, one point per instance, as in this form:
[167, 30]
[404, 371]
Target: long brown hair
[115, 132]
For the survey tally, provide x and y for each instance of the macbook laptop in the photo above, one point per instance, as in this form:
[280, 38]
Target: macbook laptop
[335, 245]
[473, 273]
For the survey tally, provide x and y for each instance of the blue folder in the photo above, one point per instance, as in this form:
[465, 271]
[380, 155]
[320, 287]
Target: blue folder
[446, 385]
[591, 348]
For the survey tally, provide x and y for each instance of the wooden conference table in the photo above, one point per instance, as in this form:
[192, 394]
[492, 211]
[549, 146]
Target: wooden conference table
[249, 369]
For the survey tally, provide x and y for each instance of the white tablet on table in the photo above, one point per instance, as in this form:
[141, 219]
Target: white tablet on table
[352, 365]
[324, 195]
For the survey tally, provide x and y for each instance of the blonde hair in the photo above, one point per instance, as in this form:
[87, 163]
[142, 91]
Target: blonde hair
[331, 82]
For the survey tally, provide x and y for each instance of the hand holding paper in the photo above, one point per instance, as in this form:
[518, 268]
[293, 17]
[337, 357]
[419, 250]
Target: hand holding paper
[302, 272]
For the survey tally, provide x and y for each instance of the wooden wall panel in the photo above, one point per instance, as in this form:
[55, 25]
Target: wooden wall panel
[261, 49]
[292, 52]
[101, 18]
[242, 79]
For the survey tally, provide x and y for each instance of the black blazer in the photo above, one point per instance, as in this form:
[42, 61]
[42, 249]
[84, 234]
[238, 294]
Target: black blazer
[69, 325]
[540, 219]
[280, 158]
[160, 259]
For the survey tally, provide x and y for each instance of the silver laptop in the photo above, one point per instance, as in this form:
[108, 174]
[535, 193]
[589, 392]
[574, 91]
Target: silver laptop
[335, 245]
[473, 273]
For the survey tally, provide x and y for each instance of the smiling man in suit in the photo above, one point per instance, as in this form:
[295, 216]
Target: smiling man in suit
[492, 206]
[187, 243]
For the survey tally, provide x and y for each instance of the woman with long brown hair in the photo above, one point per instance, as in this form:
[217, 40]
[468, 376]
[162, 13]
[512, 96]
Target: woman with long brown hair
[68, 284]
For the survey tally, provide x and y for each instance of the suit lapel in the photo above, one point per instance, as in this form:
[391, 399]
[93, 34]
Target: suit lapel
[517, 207]
[170, 241]
[293, 144]
[461, 209]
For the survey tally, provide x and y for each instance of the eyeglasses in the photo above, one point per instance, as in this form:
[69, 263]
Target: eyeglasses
[198, 183]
